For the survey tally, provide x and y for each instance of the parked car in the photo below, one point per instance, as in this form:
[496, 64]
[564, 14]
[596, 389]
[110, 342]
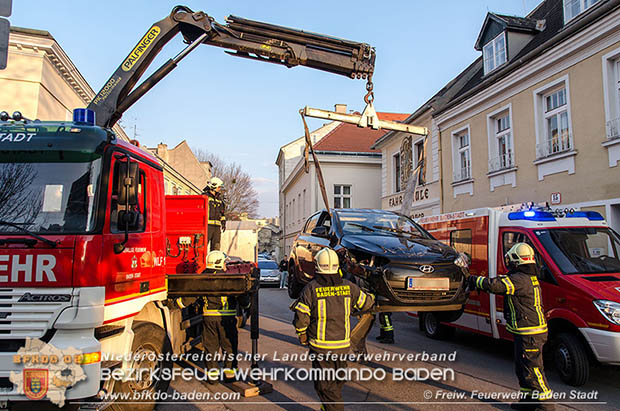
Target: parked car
[269, 272]
[388, 254]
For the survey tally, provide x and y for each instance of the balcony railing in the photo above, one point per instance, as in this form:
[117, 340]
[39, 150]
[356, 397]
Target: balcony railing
[613, 129]
[502, 162]
[461, 174]
[554, 145]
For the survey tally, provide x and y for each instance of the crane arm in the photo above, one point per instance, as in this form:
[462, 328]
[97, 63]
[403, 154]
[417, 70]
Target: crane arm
[242, 38]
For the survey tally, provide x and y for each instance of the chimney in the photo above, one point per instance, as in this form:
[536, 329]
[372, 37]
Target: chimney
[162, 151]
[340, 108]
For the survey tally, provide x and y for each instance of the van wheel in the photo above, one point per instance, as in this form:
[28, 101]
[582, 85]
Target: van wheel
[294, 288]
[433, 328]
[571, 359]
[149, 342]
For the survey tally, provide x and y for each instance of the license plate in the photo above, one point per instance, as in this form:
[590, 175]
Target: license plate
[428, 284]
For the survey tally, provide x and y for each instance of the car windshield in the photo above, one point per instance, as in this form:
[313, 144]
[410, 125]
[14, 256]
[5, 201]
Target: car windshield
[267, 265]
[373, 223]
[582, 250]
[48, 192]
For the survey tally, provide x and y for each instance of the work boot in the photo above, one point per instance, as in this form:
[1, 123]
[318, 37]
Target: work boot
[388, 337]
[381, 335]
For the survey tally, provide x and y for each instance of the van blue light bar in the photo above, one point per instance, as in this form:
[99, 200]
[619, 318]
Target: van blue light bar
[590, 215]
[531, 215]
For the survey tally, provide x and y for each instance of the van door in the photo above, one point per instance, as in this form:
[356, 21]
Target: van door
[470, 237]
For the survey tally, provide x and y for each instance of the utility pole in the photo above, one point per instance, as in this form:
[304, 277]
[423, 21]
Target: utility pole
[5, 28]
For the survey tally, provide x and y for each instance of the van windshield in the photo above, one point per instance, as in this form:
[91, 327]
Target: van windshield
[582, 250]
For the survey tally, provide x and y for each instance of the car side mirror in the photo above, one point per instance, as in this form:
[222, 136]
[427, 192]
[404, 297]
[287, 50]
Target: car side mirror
[320, 231]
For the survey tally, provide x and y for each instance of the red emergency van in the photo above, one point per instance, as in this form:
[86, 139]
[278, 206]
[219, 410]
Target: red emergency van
[579, 259]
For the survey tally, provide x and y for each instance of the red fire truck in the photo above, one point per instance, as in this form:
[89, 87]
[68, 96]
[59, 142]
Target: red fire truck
[92, 253]
[579, 259]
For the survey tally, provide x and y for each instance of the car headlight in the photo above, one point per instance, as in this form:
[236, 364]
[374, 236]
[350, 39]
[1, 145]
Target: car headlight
[461, 261]
[609, 309]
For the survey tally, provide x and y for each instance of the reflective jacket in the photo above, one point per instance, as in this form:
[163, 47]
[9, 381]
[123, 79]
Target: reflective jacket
[324, 311]
[523, 309]
[221, 306]
[217, 209]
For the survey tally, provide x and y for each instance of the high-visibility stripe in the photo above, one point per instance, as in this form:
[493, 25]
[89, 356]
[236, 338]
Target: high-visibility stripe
[330, 344]
[510, 287]
[479, 281]
[521, 331]
[214, 313]
[541, 381]
[513, 315]
[360, 300]
[538, 303]
[531, 350]
[301, 330]
[347, 317]
[322, 322]
[180, 302]
[303, 308]
[224, 303]
[214, 222]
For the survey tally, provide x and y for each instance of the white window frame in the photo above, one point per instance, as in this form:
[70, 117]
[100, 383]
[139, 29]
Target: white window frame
[611, 92]
[543, 150]
[493, 46]
[396, 188]
[496, 162]
[456, 155]
[341, 196]
[583, 6]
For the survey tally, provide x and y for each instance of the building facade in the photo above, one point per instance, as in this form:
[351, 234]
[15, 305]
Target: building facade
[351, 171]
[184, 174]
[538, 118]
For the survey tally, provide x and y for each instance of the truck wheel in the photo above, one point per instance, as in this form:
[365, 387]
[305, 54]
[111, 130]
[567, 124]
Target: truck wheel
[149, 341]
[433, 328]
[294, 288]
[571, 359]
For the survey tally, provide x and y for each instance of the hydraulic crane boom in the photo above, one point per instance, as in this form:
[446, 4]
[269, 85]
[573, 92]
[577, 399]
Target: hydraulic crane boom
[245, 38]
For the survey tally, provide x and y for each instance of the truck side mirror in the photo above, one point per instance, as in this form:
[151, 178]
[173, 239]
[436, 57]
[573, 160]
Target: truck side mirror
[128, 178]
[128, 220]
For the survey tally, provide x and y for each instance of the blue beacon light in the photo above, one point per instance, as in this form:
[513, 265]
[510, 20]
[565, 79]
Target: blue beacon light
[84, 116]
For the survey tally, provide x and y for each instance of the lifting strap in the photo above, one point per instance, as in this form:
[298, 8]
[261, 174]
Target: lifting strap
[309, 148]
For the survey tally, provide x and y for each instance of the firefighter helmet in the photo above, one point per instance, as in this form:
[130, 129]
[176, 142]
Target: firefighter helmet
[326, 262]
[214, 183]
[216, 260]
[520, 253]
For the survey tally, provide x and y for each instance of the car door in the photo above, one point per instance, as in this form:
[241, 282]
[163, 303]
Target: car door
[302, 246]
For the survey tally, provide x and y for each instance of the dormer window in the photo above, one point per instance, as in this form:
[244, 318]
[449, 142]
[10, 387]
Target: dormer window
[494, 53]
[574, 7]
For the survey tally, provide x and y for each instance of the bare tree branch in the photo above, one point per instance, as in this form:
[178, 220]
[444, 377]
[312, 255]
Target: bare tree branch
[239, 192]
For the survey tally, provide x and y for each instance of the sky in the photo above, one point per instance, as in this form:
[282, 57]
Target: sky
[245, 110]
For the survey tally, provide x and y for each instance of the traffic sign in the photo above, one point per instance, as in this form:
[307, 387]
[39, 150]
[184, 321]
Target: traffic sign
[5, 7]
[4, 42]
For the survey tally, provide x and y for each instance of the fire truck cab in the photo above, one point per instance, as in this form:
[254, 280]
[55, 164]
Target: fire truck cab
[579, 260]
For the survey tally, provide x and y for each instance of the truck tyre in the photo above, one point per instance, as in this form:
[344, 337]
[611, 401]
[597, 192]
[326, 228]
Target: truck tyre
[294, 288]
[433, 328]
[571, 359]
[148, 340]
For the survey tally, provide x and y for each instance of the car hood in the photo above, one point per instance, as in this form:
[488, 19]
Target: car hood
[397, 248]
[599, 286]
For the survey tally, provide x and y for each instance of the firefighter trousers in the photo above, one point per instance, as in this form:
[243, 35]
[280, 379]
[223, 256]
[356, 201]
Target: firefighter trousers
[215, 234]
[328, 389]
[387, 329]
[220, 332]
[530, 371]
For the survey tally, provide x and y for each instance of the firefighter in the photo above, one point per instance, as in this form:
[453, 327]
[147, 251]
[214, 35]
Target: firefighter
[219, 325]
[525, 319]
[386, 329]
[217, 209]
[322, 320]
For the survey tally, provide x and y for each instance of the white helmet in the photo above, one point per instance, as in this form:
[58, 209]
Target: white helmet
[216, 260]
[520, 253]
[326, 262]
[214, 183]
